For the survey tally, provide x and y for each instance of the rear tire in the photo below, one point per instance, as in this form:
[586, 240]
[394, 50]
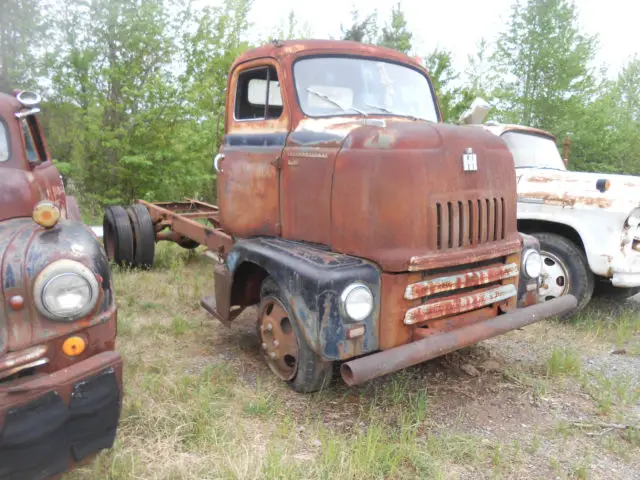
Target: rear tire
[565, 270]
[310, 372]
[118, 236]
[144, 236]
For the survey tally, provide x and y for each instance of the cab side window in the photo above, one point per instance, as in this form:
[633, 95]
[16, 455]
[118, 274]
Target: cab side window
[28, 142]
[258, 95]
[33, 143]
[4, 142]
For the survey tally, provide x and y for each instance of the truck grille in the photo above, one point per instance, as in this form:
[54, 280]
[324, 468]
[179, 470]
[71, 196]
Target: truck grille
[469, 222]
[462, 291]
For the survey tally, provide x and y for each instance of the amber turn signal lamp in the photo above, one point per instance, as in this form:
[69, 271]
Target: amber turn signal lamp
[46, 214]
[16, 302]
[603, 185]
[74, 346]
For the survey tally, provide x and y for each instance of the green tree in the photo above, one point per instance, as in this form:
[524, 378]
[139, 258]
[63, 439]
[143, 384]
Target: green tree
[21, 31]
[396, 34]
[452, 97]
[361, 30]
[543, 60]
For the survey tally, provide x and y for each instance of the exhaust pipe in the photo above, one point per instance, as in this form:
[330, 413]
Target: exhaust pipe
[363, 369]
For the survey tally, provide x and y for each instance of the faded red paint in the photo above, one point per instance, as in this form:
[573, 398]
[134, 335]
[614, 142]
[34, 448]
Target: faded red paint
[23, 184]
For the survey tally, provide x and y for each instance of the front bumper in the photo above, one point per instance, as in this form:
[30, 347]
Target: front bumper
[625, 269]
[52, 422]
[362, 369]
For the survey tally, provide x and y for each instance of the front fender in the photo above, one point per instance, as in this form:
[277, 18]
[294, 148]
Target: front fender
[25, 250]
[312, 281]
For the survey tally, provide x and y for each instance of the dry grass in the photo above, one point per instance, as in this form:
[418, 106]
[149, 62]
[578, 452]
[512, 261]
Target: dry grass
[200, 403]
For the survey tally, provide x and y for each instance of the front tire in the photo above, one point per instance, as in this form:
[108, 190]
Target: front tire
[565, 270]
[283, 345]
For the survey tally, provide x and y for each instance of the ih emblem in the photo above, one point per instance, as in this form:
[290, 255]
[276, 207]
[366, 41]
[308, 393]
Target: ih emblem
[469, 160]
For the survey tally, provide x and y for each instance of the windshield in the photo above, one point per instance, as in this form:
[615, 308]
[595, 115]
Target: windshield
[328, 86]
[4, 143]
[531, 150]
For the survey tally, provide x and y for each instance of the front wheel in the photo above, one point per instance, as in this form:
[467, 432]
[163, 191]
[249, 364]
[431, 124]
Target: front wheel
[283, 346]
[565, 270]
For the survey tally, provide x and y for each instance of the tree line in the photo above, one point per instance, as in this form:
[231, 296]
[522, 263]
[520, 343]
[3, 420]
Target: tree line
[134, 89]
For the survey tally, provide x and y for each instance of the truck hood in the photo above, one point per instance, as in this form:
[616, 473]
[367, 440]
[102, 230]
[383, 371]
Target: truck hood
[400, 192]
[18, 193]
[578, 189]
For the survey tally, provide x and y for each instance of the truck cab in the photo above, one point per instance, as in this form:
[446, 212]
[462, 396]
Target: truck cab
[365, 231]
[587, 223]
[60, 376]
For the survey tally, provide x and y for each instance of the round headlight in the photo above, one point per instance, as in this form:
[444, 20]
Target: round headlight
[66, 290]
[357, 301]
[532, 263]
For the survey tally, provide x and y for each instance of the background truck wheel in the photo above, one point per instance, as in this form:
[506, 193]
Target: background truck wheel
[565, 270]
[144, 234]
[118, 236]
[283, 345]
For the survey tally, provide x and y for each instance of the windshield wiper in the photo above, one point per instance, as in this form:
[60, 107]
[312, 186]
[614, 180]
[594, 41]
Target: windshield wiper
[391, 112]
[335, 102]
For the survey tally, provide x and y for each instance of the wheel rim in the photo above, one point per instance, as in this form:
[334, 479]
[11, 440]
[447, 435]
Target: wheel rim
[554, 277]
[278, 339]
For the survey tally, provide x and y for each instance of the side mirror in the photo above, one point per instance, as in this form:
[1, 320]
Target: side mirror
[476, 113]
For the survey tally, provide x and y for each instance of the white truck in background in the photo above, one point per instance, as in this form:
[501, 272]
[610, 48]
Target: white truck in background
[588, 224]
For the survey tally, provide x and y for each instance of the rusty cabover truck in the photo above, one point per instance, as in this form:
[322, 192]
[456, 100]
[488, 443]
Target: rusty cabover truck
[366, 230]
[60, 377]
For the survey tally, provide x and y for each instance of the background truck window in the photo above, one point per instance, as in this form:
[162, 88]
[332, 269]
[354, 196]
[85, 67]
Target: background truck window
[4, 143]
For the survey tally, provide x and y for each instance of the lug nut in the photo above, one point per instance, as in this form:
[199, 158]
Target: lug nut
[276, 343]
[264, 346]
[269, 327]
[273, 355]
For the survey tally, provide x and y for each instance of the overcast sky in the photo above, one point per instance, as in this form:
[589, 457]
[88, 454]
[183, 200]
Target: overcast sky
[457, 25]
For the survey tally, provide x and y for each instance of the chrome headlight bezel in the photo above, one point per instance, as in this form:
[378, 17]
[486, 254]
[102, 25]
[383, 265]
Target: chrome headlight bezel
[351, 290]
[56, 270]
[531, 255]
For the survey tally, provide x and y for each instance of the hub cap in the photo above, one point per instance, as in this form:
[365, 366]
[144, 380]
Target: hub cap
[554, 280]
[278, 339]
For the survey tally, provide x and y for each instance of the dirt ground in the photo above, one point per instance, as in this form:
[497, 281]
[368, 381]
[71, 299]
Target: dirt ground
[552, 400]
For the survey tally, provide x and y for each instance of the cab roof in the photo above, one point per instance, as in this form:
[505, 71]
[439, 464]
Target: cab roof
[500, 128]
[296, 48]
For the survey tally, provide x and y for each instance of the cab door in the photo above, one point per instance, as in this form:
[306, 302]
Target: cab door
[248, 164]
[46, 176]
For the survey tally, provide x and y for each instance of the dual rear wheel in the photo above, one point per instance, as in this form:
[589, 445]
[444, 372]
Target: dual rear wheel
[129, 236]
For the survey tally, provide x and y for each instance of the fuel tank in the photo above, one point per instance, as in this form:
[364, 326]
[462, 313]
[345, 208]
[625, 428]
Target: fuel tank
[403, 191]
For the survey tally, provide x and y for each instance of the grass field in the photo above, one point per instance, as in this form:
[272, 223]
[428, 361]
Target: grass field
[549, 401]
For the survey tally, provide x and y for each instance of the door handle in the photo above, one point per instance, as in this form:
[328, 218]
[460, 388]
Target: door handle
[216, 161]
